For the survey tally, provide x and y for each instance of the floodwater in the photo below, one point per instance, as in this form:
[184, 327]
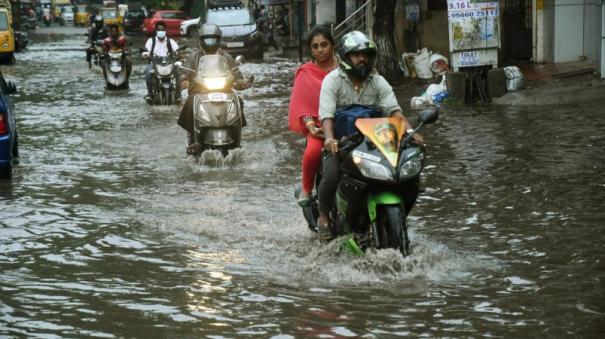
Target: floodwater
[110, 230]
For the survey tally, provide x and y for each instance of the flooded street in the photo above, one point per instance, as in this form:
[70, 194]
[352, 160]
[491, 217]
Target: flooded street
[109, 230]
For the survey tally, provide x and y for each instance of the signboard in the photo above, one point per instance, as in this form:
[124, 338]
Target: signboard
[473, 58]
[473, 24]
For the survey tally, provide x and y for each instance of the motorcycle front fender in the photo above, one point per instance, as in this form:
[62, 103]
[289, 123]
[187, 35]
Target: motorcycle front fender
[381, 198]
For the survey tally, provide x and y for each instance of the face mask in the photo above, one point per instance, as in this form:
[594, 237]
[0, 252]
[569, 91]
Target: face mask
[160, 34]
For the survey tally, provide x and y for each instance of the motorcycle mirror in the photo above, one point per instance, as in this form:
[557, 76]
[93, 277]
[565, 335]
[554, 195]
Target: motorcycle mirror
[239, 60]
[428, 115]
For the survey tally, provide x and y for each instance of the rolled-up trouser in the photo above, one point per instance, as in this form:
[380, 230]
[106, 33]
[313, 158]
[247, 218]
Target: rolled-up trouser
[330, 174]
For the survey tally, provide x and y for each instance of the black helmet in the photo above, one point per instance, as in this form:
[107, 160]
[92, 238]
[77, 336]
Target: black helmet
[209, 37]
[98, 21]
[352, 42]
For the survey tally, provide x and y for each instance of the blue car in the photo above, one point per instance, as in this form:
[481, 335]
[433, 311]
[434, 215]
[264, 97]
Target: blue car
[9, 146]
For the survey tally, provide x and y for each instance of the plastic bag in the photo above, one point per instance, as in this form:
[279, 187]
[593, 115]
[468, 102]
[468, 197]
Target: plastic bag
[422, 65]
[514, 78]
[439, 64]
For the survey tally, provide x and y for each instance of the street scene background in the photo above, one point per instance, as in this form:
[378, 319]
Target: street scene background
[109, 230]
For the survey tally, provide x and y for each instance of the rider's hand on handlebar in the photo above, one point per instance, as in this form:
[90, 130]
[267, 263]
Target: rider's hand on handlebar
[331, 145]
[419, 139]
[145, 55]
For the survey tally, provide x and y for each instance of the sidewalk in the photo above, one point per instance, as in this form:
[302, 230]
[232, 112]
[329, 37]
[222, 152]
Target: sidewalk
[554, 84]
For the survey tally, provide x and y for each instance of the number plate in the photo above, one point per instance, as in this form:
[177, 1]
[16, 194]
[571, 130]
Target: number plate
[217, 97]
[235, 44]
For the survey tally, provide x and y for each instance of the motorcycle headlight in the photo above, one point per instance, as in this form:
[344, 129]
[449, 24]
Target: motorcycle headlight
[215, 83]
[411, 168]
[164, 70]
[372, 169]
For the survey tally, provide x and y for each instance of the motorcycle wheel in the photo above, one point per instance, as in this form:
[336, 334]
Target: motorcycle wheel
[391, 219]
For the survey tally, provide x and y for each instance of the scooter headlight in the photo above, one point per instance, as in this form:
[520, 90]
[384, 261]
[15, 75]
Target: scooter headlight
[215, 83]
[371, 169]
[411, 168]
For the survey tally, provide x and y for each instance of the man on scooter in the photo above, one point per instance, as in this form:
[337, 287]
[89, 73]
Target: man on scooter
[354, 82]
[116, 41]
[97, 32]
[160, 46]
[209, 40]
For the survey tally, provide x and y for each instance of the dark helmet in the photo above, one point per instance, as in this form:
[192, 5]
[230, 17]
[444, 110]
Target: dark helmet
[209, 37]
[352, 42]
[98, 21]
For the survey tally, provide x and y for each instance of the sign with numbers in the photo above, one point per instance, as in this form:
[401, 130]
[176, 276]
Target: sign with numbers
[473, 25]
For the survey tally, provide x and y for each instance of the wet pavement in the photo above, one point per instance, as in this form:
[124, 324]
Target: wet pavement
[110, 230]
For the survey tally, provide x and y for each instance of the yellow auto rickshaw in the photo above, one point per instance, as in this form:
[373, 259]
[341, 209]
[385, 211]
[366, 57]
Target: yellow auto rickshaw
[7, 37]
[81, 17]
[111, 16]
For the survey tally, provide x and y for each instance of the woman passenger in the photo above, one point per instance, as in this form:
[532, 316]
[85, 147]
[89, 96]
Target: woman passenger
[304, 104]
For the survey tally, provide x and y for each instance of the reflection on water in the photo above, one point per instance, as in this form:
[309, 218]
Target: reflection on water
[110, 230]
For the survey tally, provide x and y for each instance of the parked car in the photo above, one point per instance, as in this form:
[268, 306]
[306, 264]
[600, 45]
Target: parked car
[172, 19]
[189, 27]
[133, 20]
[240, 33]
[9, 147]
[67, 15]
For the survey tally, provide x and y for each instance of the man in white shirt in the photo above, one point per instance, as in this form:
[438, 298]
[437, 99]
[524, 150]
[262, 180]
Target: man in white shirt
[159, 45]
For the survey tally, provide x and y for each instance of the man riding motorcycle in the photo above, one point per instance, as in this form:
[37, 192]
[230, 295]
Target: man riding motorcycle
[354, 82]
[98, 32]
[209, 40]
[160, 46]
[116, 41]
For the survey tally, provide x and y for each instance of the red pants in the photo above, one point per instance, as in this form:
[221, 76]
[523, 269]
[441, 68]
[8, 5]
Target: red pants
[310, 161]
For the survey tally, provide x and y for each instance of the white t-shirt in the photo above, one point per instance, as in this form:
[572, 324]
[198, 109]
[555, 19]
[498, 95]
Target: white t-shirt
[161, 47]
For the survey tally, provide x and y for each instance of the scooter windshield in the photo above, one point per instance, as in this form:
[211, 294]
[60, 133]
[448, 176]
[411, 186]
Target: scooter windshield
[213, 73]
[212, 66]
[385, 133]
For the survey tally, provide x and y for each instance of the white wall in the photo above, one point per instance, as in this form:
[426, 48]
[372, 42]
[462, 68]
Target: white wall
[569, 30]
[546, 32]
[592, 30]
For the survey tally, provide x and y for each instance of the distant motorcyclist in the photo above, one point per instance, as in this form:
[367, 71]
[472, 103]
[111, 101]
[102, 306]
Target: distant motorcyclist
[98, 33]
[209, 40]
[161, 46]
[116, 41]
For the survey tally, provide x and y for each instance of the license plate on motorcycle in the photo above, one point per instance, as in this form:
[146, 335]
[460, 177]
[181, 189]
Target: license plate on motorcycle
[235, 44]
[217, 96]
[116, 69]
